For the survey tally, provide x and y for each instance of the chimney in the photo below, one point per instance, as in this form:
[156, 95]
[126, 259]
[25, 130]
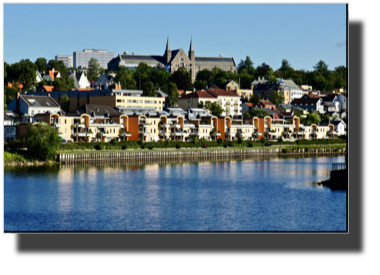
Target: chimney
[53, 69]
[48, 94]
[18, 102]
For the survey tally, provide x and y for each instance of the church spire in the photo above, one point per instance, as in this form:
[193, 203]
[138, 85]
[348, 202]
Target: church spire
[168, 45]
[191, 50]
[191, 45]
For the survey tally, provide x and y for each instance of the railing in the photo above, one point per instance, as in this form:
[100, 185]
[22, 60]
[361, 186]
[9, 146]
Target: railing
[339, 166]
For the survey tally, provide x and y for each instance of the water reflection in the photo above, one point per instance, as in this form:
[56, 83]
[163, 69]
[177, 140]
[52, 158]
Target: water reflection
[208, 194]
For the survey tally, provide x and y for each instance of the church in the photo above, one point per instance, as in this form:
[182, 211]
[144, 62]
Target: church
[174, 59]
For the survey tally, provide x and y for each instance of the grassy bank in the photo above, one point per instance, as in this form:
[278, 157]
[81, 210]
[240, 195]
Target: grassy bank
[22, 158]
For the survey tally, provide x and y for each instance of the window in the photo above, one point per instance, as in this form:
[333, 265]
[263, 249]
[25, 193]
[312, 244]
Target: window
[65, 121]
[65, 131]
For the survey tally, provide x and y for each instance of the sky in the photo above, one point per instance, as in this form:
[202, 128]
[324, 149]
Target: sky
[301, 33]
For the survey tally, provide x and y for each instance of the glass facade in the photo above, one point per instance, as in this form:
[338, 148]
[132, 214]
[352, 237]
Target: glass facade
[81, 59]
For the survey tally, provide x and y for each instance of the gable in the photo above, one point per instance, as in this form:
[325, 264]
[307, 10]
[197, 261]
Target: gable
[179, 56]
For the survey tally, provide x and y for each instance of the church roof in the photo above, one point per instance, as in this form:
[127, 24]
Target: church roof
[215, 61]
[136, 59]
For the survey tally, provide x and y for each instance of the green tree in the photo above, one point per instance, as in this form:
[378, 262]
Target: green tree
[172, 98]
[148, 89]
[93, 71]
[182, 79]
[42, 141]
[278, 98]
[41, 64]
[285, 66]
[9, 94]
[258, 112]
[326, 117]
[24, 72]
[203, 79]
[321, 66]
[6, 66]
[246, 114]
[246, 65]
[161, 78]
[142, 75]
[214, 108]
[124, 76]
[65, 103]
[219, 141]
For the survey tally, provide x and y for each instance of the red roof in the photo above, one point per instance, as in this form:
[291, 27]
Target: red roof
[48, 88]
[221, 92]
[198, 94]
[181, 92]
[249, 104]
[265, 102]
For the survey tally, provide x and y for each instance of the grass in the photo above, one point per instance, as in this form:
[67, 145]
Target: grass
[14, 157]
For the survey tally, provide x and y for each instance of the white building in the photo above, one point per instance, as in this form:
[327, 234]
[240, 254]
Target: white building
[67, 60]
[29, 106]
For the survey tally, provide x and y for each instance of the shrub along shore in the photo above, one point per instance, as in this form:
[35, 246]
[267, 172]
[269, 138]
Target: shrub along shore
[23, 158]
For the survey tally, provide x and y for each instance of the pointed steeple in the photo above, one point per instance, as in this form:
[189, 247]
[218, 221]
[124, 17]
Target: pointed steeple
[167, 45]
[191, 45]
[191, 50]
[168, 52]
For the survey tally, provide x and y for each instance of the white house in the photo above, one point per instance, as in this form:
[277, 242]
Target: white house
[9, 126]
[105, 80]
[80, 80]
[341, 98]
[29, 106]
[339, 126]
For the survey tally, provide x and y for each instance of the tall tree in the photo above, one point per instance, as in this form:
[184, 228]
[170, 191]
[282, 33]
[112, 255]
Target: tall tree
[263, 70]
[93, 71]
[247, 65]
[41, 64]
[321, 67]
[125, 77]
[65, 103]
[148, 89]
[6, 66]
[24, 72]
[203, 79]
[172, 98]
[142, 74]
[214, 108]
[182, 79]
[278, 98]
[285, 66]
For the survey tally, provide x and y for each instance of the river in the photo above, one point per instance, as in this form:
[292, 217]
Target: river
[244, 194]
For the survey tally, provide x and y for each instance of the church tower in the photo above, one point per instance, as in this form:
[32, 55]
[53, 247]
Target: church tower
[168, 53]
[191, 51]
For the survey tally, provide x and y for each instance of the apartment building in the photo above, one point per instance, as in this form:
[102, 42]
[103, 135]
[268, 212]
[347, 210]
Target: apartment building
[230, 102]
[81, 59]
[109, 97]
[66, 59]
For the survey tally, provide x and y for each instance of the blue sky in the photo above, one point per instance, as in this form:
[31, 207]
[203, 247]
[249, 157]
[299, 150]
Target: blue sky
[301, 33]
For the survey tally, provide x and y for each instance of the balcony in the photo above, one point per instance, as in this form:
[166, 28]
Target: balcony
[145, 125]
[164, 125]
[175, 125]
[78, 125]
[125, 134]
[56, 124]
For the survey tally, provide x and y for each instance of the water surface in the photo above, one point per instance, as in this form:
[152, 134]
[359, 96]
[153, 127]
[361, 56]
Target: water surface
[205, 195]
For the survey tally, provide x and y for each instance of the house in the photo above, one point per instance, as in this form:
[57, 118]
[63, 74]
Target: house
[15, 85]
[305, 87]
[309, 104]
[94, 122]
[342, 99]
[82, 80]
[29, 106]
[104, 81]
[230, 85]
[195, 98]
[10, 126]
[245, 93]
[246, 107]
[331, 103]
[339, 127]
[310, 95]
[51, 75]
[45, 88]
[284, 108]
[264, 104]
[230, 102]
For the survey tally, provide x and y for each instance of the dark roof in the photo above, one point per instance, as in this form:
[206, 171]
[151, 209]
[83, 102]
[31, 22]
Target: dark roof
[40, 101]
[43, 114]
[329, 98]
[266, 102]
[304, 100]
[98, 110]
[324, 123]
[266, 87]
[215, 61]
[6, 117]
[336, 122]
[198, 94]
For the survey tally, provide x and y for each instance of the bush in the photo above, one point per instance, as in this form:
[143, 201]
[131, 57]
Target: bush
[178, 146]
[42, 141]
[97, 147]
[263, 140]
[240, 140]
[220, 141]
[123, 147]
[140, 142]
[280, 140]
[285, 150]
[14, 144]
[320, 141]
[113, 141]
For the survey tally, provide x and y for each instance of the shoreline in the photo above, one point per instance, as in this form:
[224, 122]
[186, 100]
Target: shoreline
[180, 154]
